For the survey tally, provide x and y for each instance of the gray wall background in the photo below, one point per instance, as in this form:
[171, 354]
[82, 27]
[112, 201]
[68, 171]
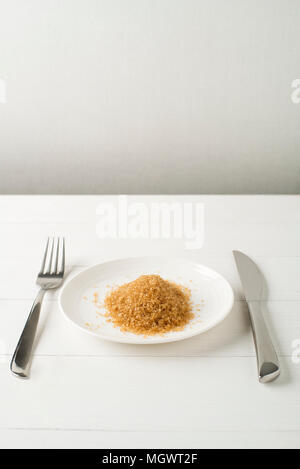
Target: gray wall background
[149, 96]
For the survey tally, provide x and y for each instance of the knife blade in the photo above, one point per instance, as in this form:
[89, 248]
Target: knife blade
[252, 282]
[250, 276]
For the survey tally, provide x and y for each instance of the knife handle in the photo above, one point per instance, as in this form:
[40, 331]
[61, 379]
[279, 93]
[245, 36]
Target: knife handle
[267, 359]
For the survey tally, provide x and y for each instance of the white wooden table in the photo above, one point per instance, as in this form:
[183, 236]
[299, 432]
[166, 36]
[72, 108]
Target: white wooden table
[198, 393]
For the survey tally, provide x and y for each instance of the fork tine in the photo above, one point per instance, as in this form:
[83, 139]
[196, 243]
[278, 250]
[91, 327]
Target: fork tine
[45, 257]
[48, 271]
[62, 268]
[56, 257]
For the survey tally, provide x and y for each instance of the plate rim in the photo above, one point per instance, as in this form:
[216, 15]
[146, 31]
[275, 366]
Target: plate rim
[160, 339]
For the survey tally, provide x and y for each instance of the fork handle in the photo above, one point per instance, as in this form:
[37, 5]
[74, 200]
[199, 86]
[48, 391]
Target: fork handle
[20, 363]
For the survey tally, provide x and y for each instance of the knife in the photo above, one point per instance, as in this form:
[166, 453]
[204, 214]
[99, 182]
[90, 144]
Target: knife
[252, 282]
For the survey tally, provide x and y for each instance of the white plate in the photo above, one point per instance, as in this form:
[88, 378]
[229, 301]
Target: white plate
[209, 290]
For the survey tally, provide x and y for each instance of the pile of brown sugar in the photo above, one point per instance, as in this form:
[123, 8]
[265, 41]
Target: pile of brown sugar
[149, 305]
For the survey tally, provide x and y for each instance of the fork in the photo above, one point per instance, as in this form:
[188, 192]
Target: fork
[50, 277]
